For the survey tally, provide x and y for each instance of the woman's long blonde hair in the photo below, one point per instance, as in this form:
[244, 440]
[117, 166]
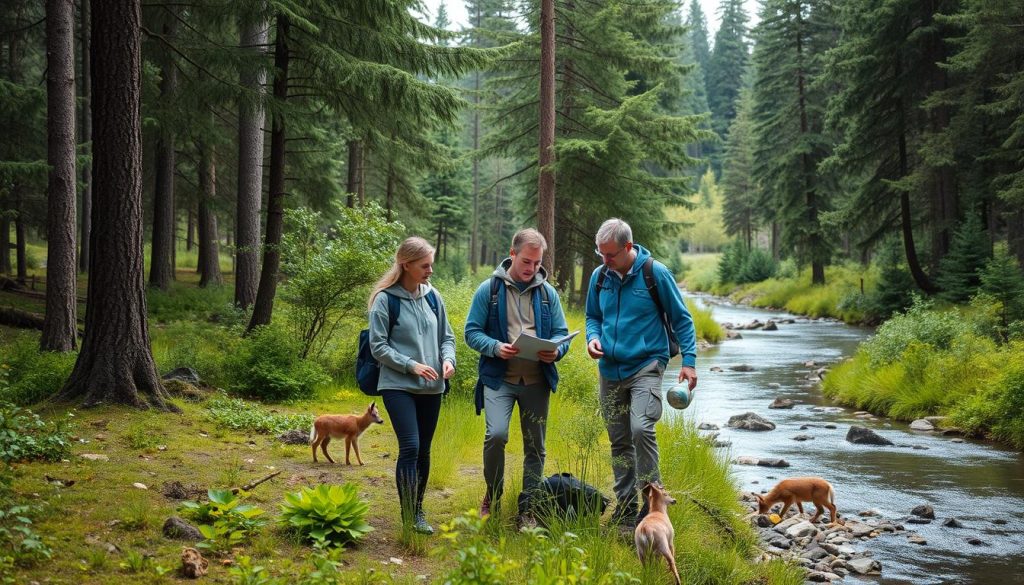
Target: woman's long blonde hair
[411, 250]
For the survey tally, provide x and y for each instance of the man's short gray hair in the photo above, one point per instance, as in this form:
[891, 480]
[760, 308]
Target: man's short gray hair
[614, 230]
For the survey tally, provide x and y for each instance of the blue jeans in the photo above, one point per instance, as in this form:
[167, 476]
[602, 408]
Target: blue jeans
[414, 418]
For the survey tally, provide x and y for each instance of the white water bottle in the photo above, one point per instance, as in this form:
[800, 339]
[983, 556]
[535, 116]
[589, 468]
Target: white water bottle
[679, 396]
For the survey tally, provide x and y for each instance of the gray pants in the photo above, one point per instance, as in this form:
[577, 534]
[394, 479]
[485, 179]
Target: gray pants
[533, 415]
[631, 407]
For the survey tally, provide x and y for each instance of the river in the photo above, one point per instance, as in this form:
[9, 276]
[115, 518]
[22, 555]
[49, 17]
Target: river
[978, 483]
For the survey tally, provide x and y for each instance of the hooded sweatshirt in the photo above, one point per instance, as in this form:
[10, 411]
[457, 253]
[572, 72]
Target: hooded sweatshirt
[416, 338]
[626, 320]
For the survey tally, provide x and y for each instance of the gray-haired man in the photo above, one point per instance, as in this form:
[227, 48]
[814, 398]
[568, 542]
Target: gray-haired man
[635, 313]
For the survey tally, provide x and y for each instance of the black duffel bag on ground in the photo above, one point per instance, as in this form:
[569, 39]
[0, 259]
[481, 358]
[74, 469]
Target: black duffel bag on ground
[566, 495]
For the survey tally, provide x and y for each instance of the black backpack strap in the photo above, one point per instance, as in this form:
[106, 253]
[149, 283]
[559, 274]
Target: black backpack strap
[652, 289]
[600, 277]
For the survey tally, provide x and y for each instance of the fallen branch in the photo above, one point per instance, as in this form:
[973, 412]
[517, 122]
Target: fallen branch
[715, 515]
[21, 319]
[250, 486]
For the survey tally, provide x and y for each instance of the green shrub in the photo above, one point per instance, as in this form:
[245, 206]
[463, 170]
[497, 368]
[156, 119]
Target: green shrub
[224, 521]
[757, 265]
[327, 515]
[32, 375]
[267, 365]
[731, 262]
[26, 437]
[186, 302]
[240, 415]
[919, 324]
[19, 542]
[329, 272]
[477, 561]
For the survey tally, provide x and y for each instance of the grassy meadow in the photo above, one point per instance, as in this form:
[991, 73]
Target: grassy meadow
[106, 527]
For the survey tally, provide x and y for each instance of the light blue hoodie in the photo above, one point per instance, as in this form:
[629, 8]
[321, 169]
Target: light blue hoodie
[624, 317]
[414, 339]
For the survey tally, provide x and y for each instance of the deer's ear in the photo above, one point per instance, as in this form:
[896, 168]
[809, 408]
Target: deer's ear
[373, 405]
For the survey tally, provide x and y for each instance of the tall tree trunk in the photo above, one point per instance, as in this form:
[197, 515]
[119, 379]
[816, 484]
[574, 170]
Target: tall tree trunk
[86, 133]
[390, 191]
[115, 363]
[474, 258]
[546, 182]
[906, 219]
[814, 243]
[209, 248]
[161, 265]
[355, 164]
[5, 245]
[251, 118]
[190, 230]
[60, 321]
[263, 309]
[362, 174]
[1015, 235]
[20, 236]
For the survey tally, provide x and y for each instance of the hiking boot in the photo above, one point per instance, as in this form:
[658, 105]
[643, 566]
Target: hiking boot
[624, 516]
[526, 521]
[485, 506]
[420, 524]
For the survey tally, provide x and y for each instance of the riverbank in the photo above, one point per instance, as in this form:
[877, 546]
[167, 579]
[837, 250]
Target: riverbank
[844, 295]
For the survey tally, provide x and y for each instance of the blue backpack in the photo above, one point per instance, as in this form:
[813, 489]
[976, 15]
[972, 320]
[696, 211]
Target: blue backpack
[368, 368]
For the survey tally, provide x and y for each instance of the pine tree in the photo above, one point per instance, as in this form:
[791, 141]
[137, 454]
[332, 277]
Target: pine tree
[698, 33]
[741, 207]
[790, 139]
[727, 65]
[1003, 278]
[958, 275]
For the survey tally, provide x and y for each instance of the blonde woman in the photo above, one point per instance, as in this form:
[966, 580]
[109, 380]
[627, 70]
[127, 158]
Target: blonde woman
[417, 357]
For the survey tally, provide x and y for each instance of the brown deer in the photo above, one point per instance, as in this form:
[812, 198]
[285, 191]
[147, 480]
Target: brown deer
[797, 490]
[335, 426]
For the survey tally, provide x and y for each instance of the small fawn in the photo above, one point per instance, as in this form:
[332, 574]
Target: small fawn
[350, 426]
[797, 490]
[655, 533]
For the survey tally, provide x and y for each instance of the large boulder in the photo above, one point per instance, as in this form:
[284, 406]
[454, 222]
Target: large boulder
[924, 511]
[865, 566]
[865, 436]
[751, 421]
[294, 437]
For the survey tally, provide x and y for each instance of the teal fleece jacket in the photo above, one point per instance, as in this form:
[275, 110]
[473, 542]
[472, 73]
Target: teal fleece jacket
[624, 317]
[417, 337]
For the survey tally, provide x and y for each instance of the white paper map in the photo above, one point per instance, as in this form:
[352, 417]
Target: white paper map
[529, 345]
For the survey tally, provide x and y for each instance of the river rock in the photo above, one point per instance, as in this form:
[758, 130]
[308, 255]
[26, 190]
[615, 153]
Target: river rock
[916, 520]
[751, 422]
[865, 566]
[788, 523]
[917, 539]
[707, 427]
[957, 440]
[831, 426]
[803, 437]
[730, 334]
[742, 368]
[924, 511]
[770, 326]
[782, 403]
[94, 457]
[801, 529]
[773, 463]
[938, 421]
[715, 369]
[921, 425]
[975, 541]
[865, 436]
[774, 385]
[178, 529]
[952, 523]
[746, 460]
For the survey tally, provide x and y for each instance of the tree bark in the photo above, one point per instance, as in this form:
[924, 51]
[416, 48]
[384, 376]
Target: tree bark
[209, 247]
[190, 230]
[59, 325]
[546, 182]
[5, 246]
[355, 165]
[86, 133]
[161, 266]
[116, 363]
[20, 237]
[263, 309]
[251, 118]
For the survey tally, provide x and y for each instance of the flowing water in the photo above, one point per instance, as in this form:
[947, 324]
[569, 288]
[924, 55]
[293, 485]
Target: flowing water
[978, 483]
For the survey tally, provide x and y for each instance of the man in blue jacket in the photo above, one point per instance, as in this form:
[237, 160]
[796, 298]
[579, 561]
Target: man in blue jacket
[633, 306]
[515, 300]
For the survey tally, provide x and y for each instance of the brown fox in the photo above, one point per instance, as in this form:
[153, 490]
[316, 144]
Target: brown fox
[654, 534]
[797, 490]
[350, 426]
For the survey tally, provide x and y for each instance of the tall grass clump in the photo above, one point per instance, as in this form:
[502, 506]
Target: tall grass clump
[31, 375]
